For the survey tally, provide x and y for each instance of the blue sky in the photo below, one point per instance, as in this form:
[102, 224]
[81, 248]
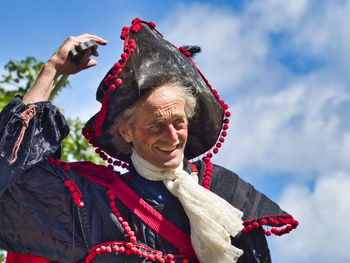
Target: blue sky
[282, 66]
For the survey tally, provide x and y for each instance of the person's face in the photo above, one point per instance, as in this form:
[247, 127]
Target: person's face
[159, 133]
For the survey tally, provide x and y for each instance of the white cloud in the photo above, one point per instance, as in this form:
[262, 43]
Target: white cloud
[323, 216]
[296, 129]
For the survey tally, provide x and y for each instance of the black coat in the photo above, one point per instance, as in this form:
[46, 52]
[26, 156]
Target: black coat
[40, 215]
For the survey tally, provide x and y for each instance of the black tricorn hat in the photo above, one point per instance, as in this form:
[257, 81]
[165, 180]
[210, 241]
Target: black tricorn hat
[150, 61]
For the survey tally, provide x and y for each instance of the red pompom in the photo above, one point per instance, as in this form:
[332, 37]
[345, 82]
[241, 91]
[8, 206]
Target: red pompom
[133, 239]
[218, 145]
[182, 49]
[227, 114]
[222, 139]
[224, 134]
[255, 224]
[215, 150]
[152, 25]
[124, 56]
[118, 81]
[263, 221]
[135, 20]
[268, 233]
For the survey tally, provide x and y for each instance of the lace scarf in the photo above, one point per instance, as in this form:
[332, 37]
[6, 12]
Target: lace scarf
[212, 219]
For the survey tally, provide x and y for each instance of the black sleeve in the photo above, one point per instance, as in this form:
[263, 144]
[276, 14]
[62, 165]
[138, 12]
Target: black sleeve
[42, 138]
[37, 212]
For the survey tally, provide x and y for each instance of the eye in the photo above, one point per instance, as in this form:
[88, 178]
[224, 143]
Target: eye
[180, 123]
[155, 126]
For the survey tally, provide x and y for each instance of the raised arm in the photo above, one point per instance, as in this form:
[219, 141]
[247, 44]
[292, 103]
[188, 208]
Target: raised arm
[61, 64]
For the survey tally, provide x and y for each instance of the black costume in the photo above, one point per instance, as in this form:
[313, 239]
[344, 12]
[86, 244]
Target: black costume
[71, 212]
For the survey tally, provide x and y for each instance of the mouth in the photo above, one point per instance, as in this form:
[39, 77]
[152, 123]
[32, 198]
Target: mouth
[168, 149]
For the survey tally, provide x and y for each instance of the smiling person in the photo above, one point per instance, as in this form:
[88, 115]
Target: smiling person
[162, 121]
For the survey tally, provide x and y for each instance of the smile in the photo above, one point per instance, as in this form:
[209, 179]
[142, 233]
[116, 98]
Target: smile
[167, 149]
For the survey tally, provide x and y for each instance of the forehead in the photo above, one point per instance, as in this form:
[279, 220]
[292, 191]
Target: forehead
[161, 100]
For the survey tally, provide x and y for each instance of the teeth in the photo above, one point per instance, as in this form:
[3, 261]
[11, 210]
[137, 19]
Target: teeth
[167, 149]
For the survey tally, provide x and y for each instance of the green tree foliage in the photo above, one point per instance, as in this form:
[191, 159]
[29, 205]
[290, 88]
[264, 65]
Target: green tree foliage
[18, 78]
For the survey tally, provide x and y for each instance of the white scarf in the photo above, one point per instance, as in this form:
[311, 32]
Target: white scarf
[213, 220]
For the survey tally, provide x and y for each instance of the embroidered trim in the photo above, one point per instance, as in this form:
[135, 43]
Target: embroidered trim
[69, 183]
[151, 217]
[129, 249]
[272, 221]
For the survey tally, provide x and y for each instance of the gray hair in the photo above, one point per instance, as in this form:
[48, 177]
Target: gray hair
[129, 114]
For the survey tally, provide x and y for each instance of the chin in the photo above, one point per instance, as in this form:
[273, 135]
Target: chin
[172, 164]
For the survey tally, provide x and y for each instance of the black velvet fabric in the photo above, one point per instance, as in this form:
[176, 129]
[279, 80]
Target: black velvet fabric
[38, 215]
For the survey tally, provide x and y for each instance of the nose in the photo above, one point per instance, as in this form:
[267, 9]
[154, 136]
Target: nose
[170, 134]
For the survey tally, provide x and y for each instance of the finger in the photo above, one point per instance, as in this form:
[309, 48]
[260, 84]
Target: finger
[87, 64]
[98, 40]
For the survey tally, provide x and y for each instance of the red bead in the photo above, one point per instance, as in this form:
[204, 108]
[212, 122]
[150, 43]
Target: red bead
[117, 163]
[169, 257]
[185, 260]
[120, 219]
[75, 195]
[124, 224]
[132, 239]
[224, 134]
[122, 249]
[218, 145]
[263, 221]
[152, 25]
[135, 20]
[112, 87]
[115, 249]
[215, 150]
[127, 229]
[124, 56]
[249, 228]
[227, 114]
[129, 245]
[150, 257]
[67, 183]
[225, 127]
[103, 248]
[98, 251]
[268, 233]
[108, 249]
[182, 49]
[131, 233]
[72, 188]
[112, 204]
[255, 224]
[118, 81]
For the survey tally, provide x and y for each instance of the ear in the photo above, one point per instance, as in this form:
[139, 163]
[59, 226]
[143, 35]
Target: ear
[126, 132]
